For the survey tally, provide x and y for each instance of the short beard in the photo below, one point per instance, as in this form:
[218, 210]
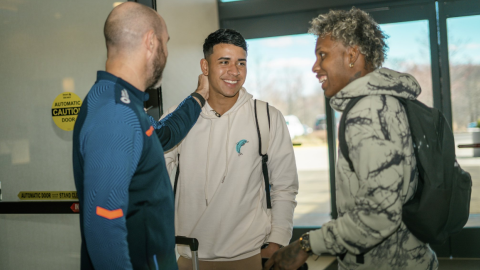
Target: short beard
[158, 65]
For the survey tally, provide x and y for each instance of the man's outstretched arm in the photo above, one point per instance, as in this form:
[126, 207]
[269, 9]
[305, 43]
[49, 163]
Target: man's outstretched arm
[175, 126]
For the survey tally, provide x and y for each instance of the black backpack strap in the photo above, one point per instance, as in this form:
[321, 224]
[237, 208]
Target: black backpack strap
[263, 142]
[267, 180]
[360, 259]
[342, 141]
[176, 177]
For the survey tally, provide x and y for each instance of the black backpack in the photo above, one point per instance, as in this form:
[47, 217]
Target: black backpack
[441, 204]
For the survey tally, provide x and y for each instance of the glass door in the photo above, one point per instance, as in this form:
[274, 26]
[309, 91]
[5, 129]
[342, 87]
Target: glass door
[464, 68]
[279, 72]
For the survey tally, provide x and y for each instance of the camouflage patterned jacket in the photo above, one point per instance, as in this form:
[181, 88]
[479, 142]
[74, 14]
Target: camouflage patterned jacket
[370, 200]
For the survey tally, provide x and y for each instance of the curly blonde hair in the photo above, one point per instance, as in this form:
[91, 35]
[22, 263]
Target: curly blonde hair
[353, 27]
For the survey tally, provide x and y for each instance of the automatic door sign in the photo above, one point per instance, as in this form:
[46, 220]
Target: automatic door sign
[48, 195]
[65, 109]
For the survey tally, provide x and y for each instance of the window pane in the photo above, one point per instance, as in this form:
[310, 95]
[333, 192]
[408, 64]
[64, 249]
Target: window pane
[279, 72]
[409, 52]
[464, 59]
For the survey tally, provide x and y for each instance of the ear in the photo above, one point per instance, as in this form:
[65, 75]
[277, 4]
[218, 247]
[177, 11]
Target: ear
[204, 66]
[353, 52]
[150, 42]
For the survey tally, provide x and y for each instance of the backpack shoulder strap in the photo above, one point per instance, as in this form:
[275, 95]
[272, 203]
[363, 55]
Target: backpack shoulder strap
[360, 259]
[342, 141]
[262, 119]
[177, 172]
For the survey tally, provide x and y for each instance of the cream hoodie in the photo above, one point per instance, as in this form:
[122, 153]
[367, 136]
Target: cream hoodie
[220, 196]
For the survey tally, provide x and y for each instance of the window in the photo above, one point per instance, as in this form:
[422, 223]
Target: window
[409, 52]
[280, 72]
[464, 60]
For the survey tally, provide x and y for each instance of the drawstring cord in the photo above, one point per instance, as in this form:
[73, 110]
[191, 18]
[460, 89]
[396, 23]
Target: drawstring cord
[208, 162]
[226, 150]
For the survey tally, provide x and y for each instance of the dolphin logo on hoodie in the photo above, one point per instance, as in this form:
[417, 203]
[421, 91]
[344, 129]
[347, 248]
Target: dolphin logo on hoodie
[239, 146]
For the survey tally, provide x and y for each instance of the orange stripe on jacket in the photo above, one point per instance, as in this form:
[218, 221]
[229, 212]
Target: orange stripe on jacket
[109, 214]
[149, 132]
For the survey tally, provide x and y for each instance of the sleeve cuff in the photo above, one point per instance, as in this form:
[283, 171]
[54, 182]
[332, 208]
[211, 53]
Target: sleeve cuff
[317, 242]
[152, 120]
[279, 236]
[200, 98]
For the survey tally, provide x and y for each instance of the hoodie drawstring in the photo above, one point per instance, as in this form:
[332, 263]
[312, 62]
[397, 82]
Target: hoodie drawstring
[226, 150]
[208, 162]
[226, 153]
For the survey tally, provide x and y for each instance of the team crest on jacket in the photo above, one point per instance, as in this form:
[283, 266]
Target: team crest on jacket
[239, 146]
[125, 98]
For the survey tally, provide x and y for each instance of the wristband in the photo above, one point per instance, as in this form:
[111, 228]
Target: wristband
[200, 97]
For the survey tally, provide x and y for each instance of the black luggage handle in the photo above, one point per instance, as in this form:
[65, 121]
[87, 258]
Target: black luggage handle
[191, 242]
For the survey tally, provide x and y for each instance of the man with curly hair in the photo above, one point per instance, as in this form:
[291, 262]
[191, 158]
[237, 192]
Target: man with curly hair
[369, 232]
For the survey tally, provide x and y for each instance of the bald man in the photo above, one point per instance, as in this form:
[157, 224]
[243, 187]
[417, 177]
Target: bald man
[126, 199]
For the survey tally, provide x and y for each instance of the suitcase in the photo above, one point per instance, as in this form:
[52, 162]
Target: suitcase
[193, 244]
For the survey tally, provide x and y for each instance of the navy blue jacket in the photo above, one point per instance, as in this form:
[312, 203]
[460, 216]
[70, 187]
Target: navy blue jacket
[126, 199]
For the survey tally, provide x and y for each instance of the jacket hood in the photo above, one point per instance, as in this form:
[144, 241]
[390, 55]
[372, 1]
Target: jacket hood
[382, 81]
[243, 96]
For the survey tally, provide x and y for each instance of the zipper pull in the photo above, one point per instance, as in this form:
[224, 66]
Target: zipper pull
[206, 202]
[223, 180]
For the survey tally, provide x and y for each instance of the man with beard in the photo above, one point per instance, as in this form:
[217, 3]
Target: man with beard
[126, 200]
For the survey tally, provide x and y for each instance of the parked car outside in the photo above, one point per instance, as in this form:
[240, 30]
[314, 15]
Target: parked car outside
[320, 122]
[295, 127]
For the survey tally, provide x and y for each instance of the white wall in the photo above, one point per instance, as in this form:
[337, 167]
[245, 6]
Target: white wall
[43, 43]
[189, 22]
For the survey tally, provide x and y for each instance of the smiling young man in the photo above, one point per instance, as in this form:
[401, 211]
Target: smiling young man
[382, 175]
[220, 194]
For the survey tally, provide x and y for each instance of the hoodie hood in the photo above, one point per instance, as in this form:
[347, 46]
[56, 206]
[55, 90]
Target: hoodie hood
[382, 81]
[243, 96]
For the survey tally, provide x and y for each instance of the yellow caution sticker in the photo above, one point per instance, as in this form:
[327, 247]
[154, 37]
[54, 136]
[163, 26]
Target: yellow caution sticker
[65, 109]
[48, 195]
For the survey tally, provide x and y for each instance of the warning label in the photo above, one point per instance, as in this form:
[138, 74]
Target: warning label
[48, 195]
[65, 109]
[75, 207]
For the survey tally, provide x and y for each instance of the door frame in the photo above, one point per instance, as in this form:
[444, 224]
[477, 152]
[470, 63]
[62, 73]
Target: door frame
[268, 18]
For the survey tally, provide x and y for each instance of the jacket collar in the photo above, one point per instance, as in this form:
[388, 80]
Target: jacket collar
[105, 76]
